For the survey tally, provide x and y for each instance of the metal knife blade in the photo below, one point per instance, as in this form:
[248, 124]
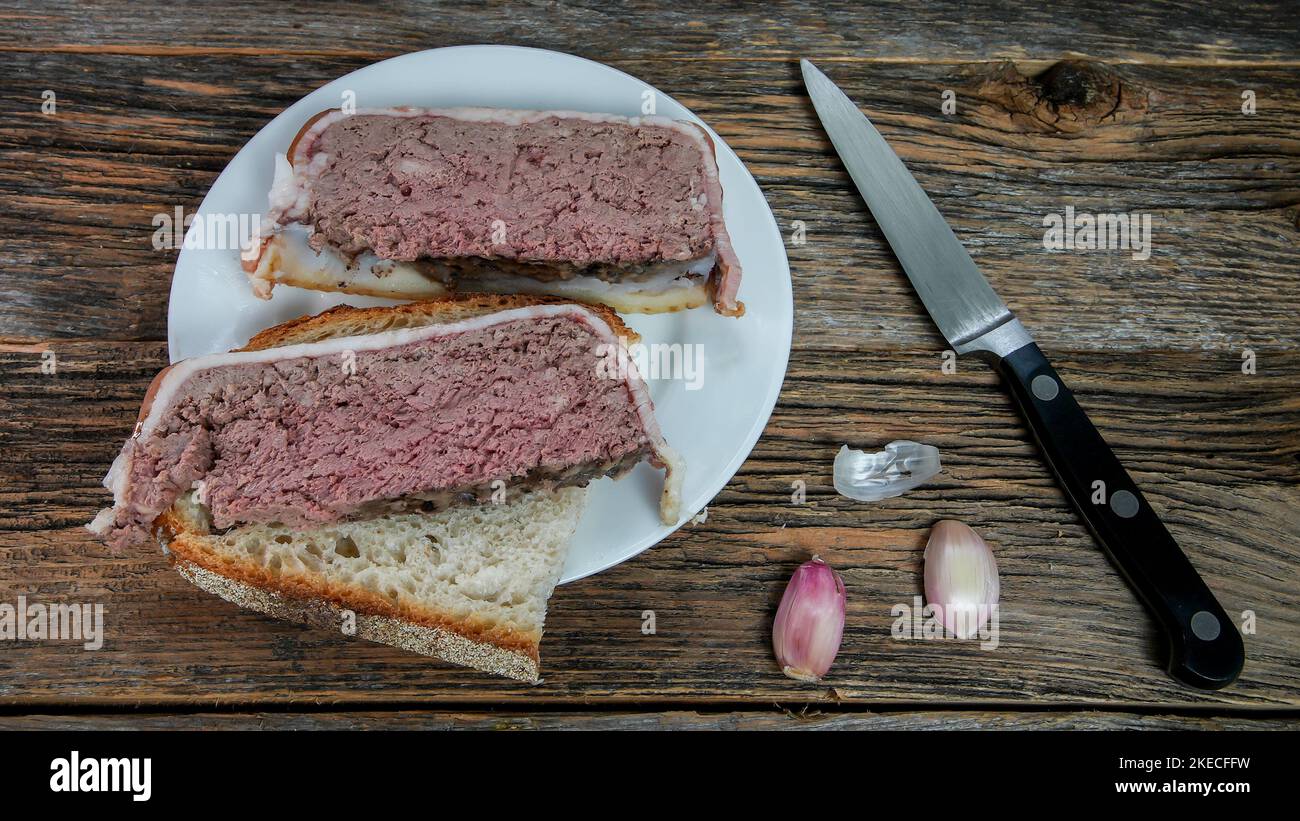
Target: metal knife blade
[958, 297]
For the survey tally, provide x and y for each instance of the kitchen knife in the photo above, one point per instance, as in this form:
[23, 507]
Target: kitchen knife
[1205, 649]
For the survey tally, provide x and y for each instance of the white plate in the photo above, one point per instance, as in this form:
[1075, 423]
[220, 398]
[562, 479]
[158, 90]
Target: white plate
[714, 427]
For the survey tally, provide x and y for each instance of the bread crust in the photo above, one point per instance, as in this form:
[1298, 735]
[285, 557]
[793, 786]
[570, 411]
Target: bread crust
[469, 642]
[326, 325]
[416, 638]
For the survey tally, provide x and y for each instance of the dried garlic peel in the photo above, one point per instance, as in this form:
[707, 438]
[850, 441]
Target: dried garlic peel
[870, 477]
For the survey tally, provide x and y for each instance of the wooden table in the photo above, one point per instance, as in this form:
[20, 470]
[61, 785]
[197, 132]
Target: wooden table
[152, 103]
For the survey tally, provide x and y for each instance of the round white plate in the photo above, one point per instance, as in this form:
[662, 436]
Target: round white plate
[713, 427]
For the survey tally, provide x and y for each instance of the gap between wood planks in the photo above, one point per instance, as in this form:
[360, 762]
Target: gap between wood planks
[720, 706]
[693, 56]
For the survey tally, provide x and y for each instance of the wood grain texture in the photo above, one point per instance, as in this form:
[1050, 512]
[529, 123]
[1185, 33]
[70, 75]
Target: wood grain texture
[151, 111]
[1197, 33]
[1214, 449]
[134, 139]
[788, 720]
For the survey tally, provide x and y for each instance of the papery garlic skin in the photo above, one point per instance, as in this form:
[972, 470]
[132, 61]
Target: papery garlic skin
[961, 578]
[871, 477]
[810, 621]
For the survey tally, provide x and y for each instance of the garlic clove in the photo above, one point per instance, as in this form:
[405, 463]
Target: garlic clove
[809, 623]
[961, 578]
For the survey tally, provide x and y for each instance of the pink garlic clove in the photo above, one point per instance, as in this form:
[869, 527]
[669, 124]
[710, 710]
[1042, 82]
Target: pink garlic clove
[810, 621]
[961, 578]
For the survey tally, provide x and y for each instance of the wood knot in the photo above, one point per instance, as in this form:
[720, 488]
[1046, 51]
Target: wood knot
[1079, 84]
[1069, 96]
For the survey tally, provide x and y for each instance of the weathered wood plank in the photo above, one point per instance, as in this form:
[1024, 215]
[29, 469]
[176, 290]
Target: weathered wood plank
[1216, 451]
[138, 136]
[151, 111]
[950, 30]
[671, 720]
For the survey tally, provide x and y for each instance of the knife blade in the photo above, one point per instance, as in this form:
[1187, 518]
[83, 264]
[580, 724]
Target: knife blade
[1204, 648]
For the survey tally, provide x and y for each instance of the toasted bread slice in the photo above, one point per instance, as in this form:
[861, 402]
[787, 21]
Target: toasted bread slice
[468, 585]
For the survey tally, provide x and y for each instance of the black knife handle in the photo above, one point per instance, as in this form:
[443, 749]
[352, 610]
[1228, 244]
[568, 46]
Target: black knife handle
[1205, 649]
